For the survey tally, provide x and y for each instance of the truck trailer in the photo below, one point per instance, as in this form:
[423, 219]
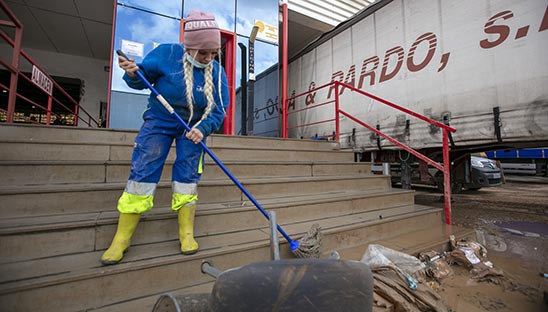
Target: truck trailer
[479, 66]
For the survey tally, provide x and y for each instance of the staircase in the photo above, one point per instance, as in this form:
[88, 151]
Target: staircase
[60, 186]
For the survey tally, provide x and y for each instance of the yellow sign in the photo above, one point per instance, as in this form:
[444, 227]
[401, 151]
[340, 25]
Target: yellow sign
[267, 32]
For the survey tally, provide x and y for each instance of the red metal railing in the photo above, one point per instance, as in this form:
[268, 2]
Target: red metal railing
[13, 67]
[445, 168]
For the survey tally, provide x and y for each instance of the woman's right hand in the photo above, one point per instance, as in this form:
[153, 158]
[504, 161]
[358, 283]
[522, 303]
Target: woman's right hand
[128, 65]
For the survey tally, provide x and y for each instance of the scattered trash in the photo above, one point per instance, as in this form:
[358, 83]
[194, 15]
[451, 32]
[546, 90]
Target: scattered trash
[403, 282]
[458, 257]
[470, 255]
[483, 273]
[436, 266]
[473, 256]
[466, 253]
[395, 284]
[377, 255]
[478, 249]
[392, 292]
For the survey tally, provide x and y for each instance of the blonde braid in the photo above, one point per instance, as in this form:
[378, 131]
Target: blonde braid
[208, 91]
[189, 81]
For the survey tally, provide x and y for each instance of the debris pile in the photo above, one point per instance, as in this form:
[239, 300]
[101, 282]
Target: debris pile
[406, 283]
[473, 256]
[398, 282]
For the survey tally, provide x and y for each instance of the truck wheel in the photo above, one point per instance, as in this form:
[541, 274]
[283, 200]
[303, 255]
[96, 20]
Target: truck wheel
[456, 188]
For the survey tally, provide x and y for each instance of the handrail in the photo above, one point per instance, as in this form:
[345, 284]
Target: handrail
[16, 73]
[445, 168]
[403, 109]
[12, 17]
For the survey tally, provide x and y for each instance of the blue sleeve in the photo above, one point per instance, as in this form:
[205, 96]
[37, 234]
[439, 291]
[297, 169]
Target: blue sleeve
[215, 118]
[149, 68]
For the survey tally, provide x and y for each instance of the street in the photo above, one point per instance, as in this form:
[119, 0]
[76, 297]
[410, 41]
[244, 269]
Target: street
[511, 221]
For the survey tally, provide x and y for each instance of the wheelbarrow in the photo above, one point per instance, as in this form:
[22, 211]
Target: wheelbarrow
[281, 285]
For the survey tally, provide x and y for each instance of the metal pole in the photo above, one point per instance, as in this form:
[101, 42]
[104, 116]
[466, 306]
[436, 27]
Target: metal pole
[386, 168]
[274, 243]
[250, 105]
[48, 113]
[251, 83]
[209, 269]
[337, 122]
[243, 88]
[446, 176]
[14, 75]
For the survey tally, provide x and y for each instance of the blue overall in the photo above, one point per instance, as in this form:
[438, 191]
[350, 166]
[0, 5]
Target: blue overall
[163, 67]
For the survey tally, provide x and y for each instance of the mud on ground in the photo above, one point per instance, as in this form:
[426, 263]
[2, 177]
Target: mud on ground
[512, 222]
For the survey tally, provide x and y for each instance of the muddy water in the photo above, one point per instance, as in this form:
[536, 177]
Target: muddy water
[521, 289]
[511, 221]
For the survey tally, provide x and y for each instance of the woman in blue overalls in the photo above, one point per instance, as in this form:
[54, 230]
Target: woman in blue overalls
[194, 83]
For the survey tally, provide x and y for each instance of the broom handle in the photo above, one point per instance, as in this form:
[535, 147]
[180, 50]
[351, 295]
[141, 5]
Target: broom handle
[293, 244]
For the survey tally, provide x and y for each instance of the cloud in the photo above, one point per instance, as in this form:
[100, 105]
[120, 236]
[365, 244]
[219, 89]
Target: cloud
[154, 30]
[265, 10]
[250, 11]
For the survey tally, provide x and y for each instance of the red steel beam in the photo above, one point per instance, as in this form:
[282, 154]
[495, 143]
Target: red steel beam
[285, 105]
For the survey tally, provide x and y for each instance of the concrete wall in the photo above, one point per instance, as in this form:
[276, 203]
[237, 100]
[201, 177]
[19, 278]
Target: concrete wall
[90, 71]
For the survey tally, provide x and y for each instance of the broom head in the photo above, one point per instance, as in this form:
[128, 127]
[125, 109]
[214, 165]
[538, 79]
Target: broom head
[310, 243]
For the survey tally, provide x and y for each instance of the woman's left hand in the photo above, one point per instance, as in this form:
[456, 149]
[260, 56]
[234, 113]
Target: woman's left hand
[195, 135]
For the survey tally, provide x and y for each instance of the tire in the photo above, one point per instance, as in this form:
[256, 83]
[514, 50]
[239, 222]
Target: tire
[456, 188]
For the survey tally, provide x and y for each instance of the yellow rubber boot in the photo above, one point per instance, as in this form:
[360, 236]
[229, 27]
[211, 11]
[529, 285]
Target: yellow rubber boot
[186, 215]
[122, 239]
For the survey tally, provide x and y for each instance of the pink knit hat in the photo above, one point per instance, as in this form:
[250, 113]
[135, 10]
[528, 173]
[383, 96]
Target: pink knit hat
[201, 31]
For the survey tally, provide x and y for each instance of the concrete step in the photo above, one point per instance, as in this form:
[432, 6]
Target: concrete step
[34, 237]
[146, 303]
[54, 135]
[21, 201]
[412, 243]
[73, 151]
[22, 173]
[157, 268]
[61, 186]
[48, 134]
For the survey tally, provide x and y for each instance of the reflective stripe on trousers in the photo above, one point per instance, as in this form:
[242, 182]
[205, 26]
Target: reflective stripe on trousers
[152, 146]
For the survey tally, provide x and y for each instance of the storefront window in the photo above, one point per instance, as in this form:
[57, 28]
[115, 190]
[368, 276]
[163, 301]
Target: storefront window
[137, 33]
